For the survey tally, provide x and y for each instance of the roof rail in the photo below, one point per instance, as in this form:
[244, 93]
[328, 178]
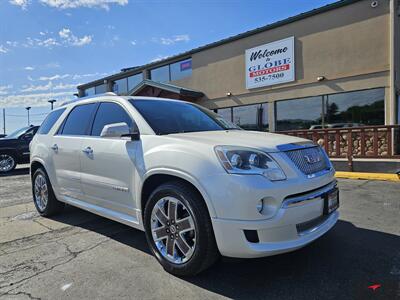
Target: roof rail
[88, 97]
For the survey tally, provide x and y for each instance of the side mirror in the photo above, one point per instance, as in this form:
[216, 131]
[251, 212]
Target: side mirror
[118, 130]
[28, 136]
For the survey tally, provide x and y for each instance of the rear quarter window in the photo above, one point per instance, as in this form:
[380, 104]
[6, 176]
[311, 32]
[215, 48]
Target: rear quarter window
[50, 120]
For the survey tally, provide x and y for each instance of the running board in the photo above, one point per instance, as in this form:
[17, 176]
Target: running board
[104, 212]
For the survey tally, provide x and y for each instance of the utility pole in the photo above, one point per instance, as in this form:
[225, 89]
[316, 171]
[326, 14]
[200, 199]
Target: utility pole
[52, 102]
[28, 108]
[4, 120]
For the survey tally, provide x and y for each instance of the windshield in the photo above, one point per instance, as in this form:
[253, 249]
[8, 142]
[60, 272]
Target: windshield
[166, 117]
[17, 133]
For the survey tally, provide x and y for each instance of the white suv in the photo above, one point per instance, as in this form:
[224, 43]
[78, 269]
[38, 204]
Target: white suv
[198, 185]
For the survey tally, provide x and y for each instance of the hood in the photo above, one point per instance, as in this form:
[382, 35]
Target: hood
[254, 139]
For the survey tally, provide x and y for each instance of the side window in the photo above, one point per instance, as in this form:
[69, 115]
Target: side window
[50, 120]
[109, 113]
[78, 120]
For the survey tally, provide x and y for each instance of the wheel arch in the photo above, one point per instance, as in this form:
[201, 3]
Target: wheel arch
[155, 178]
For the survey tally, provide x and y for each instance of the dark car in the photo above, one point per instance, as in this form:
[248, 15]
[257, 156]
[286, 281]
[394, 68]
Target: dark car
[2, 135]
[14, 148]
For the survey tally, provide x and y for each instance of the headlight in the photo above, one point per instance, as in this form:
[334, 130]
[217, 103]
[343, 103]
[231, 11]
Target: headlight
[239, 160]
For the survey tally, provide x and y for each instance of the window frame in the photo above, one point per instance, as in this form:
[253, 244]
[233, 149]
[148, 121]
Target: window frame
[96, 111]
[60, 129]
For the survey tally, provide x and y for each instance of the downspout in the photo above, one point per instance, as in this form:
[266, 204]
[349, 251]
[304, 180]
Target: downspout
[392, 46]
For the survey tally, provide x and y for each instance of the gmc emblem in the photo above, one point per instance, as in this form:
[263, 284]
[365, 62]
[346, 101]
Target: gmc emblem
[312, 158]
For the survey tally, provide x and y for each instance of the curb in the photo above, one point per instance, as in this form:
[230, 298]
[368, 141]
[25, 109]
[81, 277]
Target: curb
[368, 176]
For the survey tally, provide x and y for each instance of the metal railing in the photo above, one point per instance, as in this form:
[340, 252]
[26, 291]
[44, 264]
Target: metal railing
[355, 142]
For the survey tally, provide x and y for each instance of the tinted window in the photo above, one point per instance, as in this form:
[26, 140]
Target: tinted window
[354, 108]
[101, 89]
[109, 113]
[89, 92]
[298, 113]
[78, 120]
[50, 120]
[166, 117]
[120, 86]
[160, 74]
[134, 80]
[181, 69]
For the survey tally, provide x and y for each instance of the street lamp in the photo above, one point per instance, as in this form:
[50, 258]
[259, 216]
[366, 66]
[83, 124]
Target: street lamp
[28, 108]
[52, 102]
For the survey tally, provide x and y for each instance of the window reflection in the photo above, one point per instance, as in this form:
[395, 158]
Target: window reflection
[298, 113]
[160, 74]
[226, 113]
[120, 86]
[356, 108]
[134, 80]
[101, 89]
[249, 117]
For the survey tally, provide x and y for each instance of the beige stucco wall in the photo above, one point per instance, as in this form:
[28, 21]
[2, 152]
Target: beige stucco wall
[348, 45]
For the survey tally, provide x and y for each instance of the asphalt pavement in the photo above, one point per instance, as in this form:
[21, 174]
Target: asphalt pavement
[78, 255]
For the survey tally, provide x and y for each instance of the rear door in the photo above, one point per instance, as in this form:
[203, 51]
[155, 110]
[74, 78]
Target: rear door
[66, 147]
[108, 167]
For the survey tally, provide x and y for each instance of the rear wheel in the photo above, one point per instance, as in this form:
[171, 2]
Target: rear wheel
[43, 195]
[7, 162]
[178, 229]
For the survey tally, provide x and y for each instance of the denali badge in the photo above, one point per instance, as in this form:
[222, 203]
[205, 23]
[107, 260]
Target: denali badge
[312, 158]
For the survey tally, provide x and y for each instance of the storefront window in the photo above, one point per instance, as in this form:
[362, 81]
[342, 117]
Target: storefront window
[90, 92]
[226, 113]
[246, 116]
[298, 113]
[160, 74]
[120, 86]
[101, 89]
[249, 117]
[181, 69]
[356, 108]
[134, 80]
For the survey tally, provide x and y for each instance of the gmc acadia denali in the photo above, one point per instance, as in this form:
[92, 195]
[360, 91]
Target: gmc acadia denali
[198, 185]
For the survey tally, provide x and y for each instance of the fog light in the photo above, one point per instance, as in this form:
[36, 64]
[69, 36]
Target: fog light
[260, 206]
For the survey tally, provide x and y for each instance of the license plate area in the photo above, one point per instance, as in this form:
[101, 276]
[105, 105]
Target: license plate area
[331, 201]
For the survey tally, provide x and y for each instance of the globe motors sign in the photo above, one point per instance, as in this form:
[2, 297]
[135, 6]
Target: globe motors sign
[270, 64]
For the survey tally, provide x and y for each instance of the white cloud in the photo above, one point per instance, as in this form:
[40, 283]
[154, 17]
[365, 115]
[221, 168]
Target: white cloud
[5, 88]
[35, 99]
[29, 68]
[70, 39]
[65, 4]
[22, 3]
[38, 88]
[133, 43]
[158, 58]
[54, 77]
[3, 49]
[42, 33]
[172, 40]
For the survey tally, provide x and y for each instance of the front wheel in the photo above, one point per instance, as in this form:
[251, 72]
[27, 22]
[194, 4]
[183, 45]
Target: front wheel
[7, 162]
[178, 229]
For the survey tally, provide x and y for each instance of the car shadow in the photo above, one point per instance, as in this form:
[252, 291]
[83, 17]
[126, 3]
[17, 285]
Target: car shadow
[340, 265]
[18, 171]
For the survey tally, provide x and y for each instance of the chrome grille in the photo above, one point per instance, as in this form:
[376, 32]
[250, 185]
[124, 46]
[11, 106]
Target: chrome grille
[309, 160]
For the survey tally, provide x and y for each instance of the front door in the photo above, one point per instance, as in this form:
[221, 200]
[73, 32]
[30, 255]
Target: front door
[66, 147]
[107, 164]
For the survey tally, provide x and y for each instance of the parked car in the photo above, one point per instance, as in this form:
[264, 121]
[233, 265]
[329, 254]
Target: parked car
[198, 185]
[2, 135]
[14, 148]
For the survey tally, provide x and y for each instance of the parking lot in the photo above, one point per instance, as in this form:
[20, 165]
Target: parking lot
[78, 255]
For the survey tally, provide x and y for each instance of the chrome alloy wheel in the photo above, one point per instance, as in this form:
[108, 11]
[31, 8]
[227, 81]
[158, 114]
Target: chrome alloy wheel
[7, 162]
[41, 192]
[173, 230]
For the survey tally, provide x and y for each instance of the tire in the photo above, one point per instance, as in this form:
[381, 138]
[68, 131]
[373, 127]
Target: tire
[8, 162]
[41, 183]
[193, 211]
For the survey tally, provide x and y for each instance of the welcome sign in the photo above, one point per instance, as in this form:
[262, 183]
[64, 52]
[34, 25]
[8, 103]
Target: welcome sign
[270, 64]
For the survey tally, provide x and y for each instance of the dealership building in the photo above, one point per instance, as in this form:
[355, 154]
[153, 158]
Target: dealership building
[331, 74]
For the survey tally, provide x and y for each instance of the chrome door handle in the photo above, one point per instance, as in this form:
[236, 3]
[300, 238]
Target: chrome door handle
[88, 150]
[54, 147]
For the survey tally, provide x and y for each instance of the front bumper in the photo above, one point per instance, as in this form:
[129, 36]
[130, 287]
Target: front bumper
[298, 222]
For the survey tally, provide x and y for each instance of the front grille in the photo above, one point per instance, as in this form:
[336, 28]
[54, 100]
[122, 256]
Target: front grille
[309, 226]
[309, 160]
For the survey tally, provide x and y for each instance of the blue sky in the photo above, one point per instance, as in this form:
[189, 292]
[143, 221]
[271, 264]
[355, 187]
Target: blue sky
[47, 47]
